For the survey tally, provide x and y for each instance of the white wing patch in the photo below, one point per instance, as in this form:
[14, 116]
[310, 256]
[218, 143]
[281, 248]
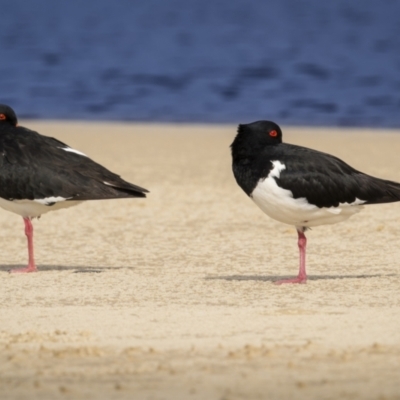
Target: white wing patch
[276, 171]
[50, 200]
[110, 184]
[73, 151]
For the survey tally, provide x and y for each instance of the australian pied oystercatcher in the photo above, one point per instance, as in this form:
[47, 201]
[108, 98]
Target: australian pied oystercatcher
[40, 174]
[300, 186]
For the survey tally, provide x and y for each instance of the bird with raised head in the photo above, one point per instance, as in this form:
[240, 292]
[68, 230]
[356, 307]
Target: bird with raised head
[301, 186]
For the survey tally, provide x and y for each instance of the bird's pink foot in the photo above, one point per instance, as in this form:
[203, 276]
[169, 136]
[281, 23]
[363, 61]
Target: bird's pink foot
[298, 279]
[31, 264]
[29, 268]
[302, 276]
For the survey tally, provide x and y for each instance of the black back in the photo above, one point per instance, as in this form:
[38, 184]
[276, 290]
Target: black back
[324, 180]
[33, 166]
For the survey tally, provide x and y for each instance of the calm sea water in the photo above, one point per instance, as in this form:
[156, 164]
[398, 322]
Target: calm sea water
[293, 61]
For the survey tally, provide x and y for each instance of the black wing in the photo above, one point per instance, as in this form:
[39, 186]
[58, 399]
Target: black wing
[35, 166]
[326, 181]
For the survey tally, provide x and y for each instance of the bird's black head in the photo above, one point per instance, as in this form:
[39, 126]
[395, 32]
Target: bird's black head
[255, 136]
[7, 115]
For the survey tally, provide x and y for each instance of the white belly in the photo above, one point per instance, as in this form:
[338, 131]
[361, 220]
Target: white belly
[34, 208]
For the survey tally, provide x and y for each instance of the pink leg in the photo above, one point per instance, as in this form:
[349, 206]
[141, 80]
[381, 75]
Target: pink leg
[302, 276]
[29, 234]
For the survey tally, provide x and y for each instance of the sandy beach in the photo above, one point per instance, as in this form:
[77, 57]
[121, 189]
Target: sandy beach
[171, 297]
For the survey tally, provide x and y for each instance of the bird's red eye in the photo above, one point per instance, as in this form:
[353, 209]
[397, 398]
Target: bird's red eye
[273, 133]
[2, 117]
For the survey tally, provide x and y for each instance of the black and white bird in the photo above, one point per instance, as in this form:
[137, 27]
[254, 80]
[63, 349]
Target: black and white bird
[40, 174]
[300, 186]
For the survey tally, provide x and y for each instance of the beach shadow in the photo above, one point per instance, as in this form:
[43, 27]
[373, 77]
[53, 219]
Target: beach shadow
[273, 278]
[75, 269]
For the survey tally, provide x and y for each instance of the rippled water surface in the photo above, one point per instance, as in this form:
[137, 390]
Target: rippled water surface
[296, 62]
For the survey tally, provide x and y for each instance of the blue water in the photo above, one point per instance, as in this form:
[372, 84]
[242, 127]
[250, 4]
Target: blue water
[293, 61]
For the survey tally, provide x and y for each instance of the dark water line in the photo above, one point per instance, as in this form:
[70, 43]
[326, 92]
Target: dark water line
[297, 62]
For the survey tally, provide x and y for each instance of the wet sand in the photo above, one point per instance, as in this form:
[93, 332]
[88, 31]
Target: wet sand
[171, 297]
